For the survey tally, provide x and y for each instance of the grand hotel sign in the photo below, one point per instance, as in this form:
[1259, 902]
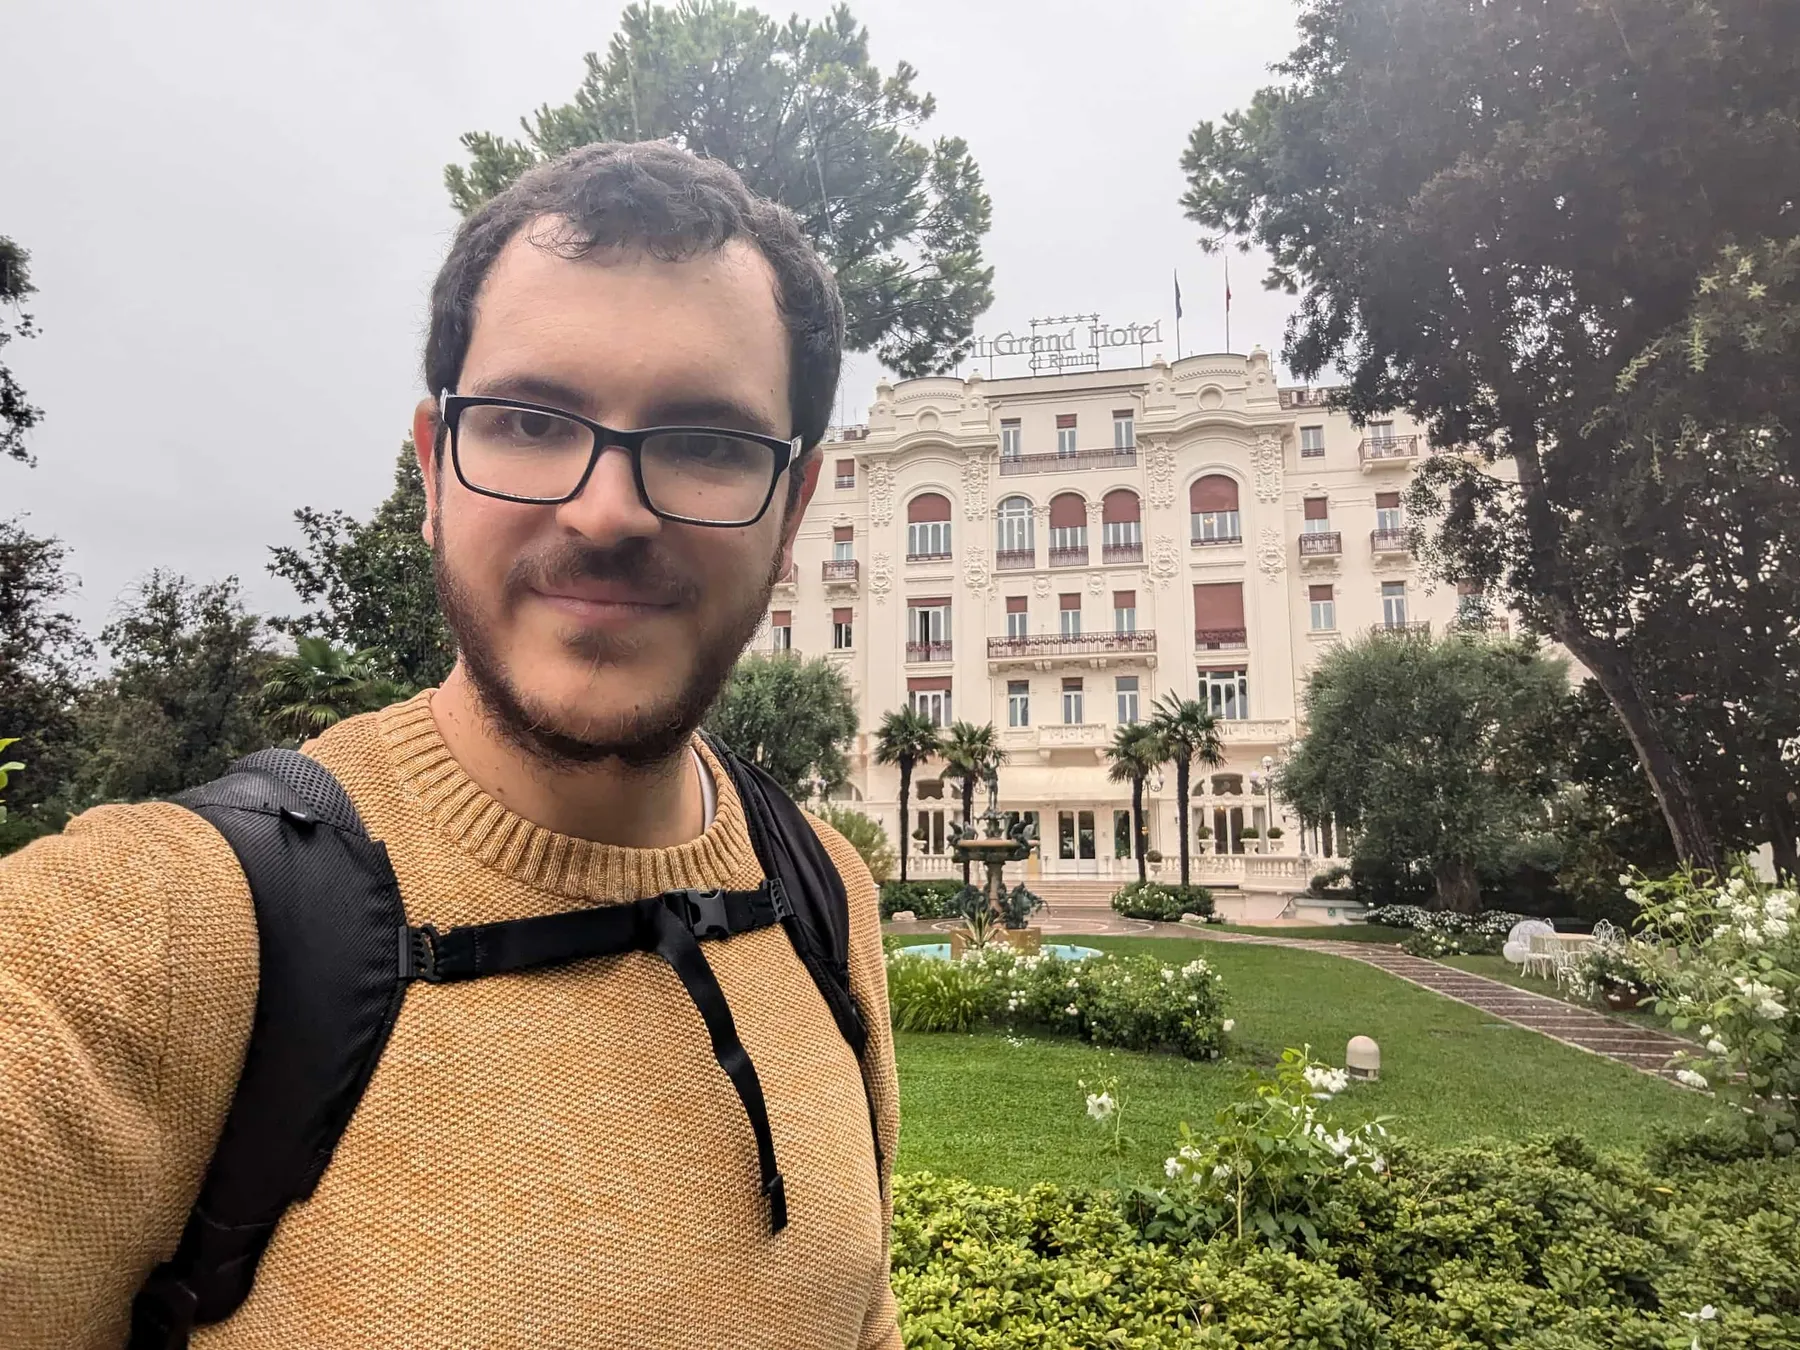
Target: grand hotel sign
[1068, 342]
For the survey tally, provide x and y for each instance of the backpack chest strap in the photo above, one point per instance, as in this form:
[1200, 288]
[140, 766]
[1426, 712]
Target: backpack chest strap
[671, 925]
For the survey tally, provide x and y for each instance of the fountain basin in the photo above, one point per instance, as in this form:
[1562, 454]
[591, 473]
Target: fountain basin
[1066, 951]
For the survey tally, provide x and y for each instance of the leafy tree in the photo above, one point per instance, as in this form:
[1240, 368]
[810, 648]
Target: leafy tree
[1495, 215]
[17, 416]
[800, 111]
[371, 583]
[43, 658]
[970, 751]
[7, 770]
[320, 685]
[791, 717]
[865, 835]
[1434, 752]
[182, 701]
[906, 738]
[1187, 732]
[1133, 756]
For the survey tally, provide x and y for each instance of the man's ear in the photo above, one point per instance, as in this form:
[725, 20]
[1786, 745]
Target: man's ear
[790, 526]
[426, 429]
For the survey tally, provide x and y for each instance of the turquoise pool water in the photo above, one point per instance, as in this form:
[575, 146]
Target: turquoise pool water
[1065, 950]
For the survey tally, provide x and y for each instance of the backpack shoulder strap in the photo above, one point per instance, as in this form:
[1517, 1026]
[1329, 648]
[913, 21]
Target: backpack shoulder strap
[330, 931]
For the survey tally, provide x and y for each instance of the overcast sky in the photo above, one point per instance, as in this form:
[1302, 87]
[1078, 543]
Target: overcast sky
[234, 210]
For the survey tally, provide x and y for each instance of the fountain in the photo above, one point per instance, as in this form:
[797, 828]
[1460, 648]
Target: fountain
[990, 905]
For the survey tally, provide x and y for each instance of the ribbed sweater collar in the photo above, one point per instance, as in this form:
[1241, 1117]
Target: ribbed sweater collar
[581, 869]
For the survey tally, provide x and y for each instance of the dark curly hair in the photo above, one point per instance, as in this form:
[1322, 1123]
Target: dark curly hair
[674, 205]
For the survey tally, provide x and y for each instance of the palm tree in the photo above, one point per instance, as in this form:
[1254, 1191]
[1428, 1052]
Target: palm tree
[320, 685]
[971, 751]
[1188, 732]
[1134, 754]
[905, 738]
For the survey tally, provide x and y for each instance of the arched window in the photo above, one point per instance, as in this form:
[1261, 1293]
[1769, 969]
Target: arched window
[1014, 532]
[928, 526]
[1121, 527]
[1068, 529]
[1213, 504]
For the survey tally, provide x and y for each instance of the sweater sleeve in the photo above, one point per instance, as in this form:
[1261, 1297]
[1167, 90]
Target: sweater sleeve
[868, 981]
[128, 976]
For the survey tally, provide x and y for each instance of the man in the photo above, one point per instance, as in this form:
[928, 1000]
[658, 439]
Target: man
[548, 1158]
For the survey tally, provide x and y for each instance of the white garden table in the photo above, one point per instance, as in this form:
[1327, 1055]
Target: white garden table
[1555, 952]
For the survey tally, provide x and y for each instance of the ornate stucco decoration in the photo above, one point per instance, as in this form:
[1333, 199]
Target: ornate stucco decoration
[1165, 560]
[881, 494]
[881, 577]
[1271, 552]
[1266, 459]
[1160, 460]
[975, 487]
[978, 573]
[1041, 586]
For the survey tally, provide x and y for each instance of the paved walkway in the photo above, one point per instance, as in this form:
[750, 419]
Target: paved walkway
[1642, 1048]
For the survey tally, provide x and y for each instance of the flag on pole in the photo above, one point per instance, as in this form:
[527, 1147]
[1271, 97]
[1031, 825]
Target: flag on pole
[1178, 295]
[1228, 285]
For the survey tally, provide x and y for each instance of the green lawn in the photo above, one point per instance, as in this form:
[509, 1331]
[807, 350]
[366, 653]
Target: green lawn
[1004, 1114]
[1337, 932]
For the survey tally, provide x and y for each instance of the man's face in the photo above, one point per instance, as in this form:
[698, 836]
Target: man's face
[593, 628]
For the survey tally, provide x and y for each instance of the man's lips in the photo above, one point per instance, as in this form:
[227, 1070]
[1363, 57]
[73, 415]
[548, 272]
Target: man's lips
[604, 602]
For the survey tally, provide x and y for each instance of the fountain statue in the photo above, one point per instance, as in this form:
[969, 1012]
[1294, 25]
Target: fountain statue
[982, 908]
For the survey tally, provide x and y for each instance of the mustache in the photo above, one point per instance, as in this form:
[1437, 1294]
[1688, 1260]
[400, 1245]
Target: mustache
[633, 563]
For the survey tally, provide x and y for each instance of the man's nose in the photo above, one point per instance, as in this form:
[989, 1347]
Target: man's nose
[608, 508]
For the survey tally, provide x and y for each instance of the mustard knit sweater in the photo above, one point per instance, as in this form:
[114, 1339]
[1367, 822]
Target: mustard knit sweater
[546, 1159]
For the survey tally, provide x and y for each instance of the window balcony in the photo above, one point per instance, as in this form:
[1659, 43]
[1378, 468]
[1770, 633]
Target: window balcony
[1403, 629]
[929, 557]
[839, 572]
[927, 651]
[1321, 544]
[1076, 644]
[1215, 639]
[1211, 541]
[1379, 452]
[1388, 541]
[1121, 458]
[845, 484]
[1015, 560]
[1122, 553]
[1069, 557]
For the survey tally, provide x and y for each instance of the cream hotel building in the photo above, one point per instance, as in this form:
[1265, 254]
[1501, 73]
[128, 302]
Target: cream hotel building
[1054, 552]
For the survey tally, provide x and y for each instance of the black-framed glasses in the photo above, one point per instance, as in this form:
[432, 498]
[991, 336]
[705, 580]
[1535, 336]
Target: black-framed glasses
[541, 456]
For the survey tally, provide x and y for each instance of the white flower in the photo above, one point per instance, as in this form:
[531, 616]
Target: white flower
[1775, 929]
[1770, 1010]
[1378, 1164]
[1171, 1168]
[1706, 1314]
[1189, 1153]
[1690, 1078]
[1339, 1143]
[1736, 886]
[1221, 1171]
[1228, 1024]
[1715, 1046]
[1072, 1010]
[1750, 934]
[1624, 878]
[1706, 1030]
[1100, 1105]
[1327, 1082]
[1779, 904]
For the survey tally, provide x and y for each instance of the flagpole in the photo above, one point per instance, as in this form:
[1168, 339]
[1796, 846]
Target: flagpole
[1228, 302]
[1177, 315]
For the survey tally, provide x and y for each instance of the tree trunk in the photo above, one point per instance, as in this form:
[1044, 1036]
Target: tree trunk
[1181, 813]
[1458, 888]
[1780, 818]
[1695, 842]
[968, 805]
[1137, 824]
[905, 793]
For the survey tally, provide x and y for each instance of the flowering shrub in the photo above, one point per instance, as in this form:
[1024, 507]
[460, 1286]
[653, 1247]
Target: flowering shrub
[1435, 942]
[1726, 959]
[1156, 900]
[927, 899]
[1603, 970]
[1133, 1002]
[1496, 922]
[1268, 1166]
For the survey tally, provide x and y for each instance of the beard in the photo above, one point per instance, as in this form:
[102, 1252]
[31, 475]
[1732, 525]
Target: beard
[639, 736]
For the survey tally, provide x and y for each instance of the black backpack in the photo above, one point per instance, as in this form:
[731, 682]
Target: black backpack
[337, 955]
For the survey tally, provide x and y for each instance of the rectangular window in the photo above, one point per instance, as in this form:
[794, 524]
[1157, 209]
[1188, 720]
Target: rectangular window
[1124, 611]
[846, 473]
[1216, 527]
[1124, 429]
[1219, 614]
[931, 698]
[1065, 433]
[1387, 513]
[1324, 608]
[781, 630]
[1068, 537]
[1312, 442]
[1017, 620]
[1226, 693]
[1018, 703]
[1381, 431]
[1122, 533]
[1009, 438]
[1071, 692]
[928, 539]
[1393, 604]
[1318, 516]
[928, 624]
[1126, 687]
[843, 627]
[843, 543]
[1122, 835]
[1069, 615]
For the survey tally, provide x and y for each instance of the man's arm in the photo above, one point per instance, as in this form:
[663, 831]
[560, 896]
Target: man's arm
[128, 967]
[868, 981]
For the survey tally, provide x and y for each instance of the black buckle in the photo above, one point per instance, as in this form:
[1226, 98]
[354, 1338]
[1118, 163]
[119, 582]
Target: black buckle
[702, 911]
[418, 954]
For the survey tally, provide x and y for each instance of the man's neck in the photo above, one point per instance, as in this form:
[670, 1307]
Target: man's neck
[655, 806]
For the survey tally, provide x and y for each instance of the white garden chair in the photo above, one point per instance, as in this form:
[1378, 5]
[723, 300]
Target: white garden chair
[1607, 936]
[1517, 947]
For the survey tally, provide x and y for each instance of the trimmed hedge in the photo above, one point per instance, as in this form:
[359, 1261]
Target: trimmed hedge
[1161, 901]
[1546, 1245]
[927, 899]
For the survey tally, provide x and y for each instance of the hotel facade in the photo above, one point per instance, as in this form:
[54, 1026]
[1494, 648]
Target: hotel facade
[1055, 553]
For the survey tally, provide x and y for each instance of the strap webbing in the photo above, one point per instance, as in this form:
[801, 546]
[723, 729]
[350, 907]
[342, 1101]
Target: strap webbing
[671, 925]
